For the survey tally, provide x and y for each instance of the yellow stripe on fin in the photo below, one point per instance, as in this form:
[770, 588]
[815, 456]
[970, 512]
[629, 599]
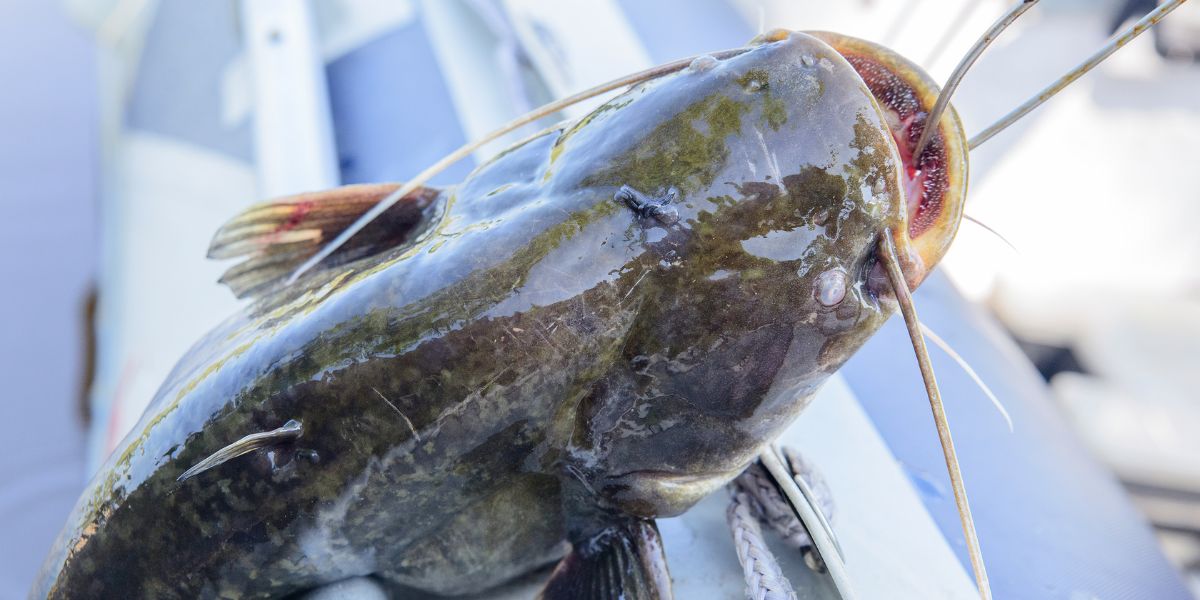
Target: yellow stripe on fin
[278, 236]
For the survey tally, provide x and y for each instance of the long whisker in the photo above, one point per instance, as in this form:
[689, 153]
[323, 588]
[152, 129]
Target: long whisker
[964, 65]
[907, 308]
[1113, 44]
[966, 367]
[466, 149]
[992, 231]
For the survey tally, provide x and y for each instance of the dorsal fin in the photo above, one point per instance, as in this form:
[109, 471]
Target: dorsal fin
[279, 235]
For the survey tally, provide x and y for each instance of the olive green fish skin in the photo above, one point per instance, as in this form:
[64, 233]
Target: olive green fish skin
[540, 339]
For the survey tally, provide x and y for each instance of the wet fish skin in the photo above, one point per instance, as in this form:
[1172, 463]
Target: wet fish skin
[561, 357]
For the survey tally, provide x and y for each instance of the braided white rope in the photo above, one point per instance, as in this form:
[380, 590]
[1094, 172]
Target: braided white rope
[764, 578]
[756, 499]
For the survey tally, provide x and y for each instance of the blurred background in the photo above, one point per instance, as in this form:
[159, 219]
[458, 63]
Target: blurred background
[130, 129]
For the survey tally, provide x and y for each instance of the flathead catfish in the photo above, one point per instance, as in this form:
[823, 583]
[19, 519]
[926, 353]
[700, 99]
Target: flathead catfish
[598, 327]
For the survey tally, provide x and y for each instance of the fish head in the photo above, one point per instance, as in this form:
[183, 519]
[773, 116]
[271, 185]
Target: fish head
[762, 186]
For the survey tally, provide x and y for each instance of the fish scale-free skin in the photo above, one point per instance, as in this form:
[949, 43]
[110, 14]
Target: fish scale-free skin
[539, 345]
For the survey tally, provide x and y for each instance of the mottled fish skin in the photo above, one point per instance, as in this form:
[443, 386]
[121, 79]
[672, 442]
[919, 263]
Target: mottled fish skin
[543, 336]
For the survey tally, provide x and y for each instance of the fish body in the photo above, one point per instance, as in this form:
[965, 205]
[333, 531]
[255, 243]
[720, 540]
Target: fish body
[596, 328]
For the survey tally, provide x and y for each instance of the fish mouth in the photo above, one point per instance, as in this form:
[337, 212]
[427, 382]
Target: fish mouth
[654, 493]
[935, 183]
[682, 479]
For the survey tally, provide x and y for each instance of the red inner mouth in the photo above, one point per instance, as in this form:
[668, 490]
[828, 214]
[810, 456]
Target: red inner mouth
[925, 182]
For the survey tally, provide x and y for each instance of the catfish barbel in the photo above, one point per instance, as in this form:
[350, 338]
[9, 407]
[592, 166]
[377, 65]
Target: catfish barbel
[596, 328]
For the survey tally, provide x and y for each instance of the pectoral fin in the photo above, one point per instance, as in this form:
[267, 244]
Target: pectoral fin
[288, 432]
[624, 561]
[278, 236]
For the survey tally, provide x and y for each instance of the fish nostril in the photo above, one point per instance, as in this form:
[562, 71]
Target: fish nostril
[877, 281]
[830, 287]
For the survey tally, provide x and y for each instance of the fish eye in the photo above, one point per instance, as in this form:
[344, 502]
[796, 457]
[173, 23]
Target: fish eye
[830, 287]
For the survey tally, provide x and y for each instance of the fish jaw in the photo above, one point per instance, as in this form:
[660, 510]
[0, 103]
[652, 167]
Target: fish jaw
[654, 494]
[935, 184]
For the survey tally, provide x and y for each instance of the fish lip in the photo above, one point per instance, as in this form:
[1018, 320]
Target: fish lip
[658, 493]
[929, 243]
[679, 478]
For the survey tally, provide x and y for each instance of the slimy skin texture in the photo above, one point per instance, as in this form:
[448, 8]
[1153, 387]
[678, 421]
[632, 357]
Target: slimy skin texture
[546, 356]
